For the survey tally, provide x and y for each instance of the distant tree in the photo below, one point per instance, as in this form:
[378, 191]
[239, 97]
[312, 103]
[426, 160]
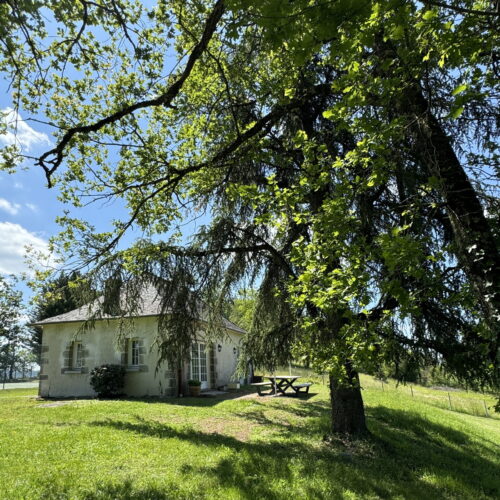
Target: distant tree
[12, 333]
[56, 297]
[25, 361]
[243, 309]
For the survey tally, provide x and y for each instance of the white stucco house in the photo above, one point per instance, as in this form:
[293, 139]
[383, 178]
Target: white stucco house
[69, 354]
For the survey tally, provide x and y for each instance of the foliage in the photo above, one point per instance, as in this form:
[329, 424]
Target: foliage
[345, 153]
[211, 448]
[59, 295]
[194, 383]
[107, 380]
[242, 310]
[12, 332]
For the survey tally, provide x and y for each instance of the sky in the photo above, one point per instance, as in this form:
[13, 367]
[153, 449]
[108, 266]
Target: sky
[28, 208]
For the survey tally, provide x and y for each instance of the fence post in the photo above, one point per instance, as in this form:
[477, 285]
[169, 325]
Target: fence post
[449, 399]
[485, 408]
[411, 389]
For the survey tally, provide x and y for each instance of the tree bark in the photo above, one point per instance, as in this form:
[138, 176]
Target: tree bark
[348, 414]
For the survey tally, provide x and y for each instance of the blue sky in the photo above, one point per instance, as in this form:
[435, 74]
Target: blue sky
[27, 207]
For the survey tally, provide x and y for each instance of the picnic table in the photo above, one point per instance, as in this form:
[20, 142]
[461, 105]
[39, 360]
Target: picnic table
[279, 384]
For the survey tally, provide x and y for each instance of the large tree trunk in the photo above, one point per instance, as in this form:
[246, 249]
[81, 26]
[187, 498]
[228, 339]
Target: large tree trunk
[477, 249]
[348, 413]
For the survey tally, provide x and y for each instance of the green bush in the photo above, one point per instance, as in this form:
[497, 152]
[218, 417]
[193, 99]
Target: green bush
[108, 380]
[194, 383]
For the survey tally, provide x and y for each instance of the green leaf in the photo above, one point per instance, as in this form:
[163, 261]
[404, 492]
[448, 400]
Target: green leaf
[430, 14]
[455, 113]
[459, 89]
[328, 114]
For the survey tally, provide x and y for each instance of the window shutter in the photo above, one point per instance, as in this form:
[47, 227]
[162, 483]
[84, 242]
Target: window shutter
[171, 382]
[68, 356]
[142, 352]
[213, 366]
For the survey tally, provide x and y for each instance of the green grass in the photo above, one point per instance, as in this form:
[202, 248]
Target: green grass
[251, 448]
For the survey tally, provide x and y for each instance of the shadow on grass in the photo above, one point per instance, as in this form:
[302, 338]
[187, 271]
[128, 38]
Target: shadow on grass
[112, 491]
[408, 456]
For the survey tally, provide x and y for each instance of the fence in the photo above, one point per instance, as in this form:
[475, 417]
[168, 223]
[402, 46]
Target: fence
[446, 398]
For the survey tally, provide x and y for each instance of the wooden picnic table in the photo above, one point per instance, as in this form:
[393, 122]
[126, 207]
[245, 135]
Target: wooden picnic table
[280, 383]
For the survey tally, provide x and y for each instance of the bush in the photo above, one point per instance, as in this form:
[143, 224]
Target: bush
[108, 380]
[194, 383]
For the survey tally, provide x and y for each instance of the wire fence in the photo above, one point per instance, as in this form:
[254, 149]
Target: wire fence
[447, 398]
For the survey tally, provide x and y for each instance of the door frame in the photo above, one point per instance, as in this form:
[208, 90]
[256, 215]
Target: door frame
[205, 384]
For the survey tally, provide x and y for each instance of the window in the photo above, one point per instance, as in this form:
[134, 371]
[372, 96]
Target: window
[75, 356]
[199, 362]
[133, 352]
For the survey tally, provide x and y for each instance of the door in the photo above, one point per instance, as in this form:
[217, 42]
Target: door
[199, 364]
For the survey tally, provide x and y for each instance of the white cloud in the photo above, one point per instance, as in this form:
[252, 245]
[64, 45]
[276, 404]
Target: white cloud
[32, 207]
[14, 239]
[20, 133]
[10, 208]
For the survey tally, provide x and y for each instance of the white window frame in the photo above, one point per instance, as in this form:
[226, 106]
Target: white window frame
[133, 354]
[75, 357]
[199, 369]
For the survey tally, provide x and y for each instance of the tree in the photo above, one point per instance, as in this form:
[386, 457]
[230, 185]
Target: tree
[12, 335]
[61, 294]
[242, 310]
[333, 145]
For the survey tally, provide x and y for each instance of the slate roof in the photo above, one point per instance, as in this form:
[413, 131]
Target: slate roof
[151, 306]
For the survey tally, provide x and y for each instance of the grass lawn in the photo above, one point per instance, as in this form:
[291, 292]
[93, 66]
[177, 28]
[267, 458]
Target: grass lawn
[250, 447]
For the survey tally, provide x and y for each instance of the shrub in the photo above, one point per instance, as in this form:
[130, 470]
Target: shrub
[194, 383]
[108, 380]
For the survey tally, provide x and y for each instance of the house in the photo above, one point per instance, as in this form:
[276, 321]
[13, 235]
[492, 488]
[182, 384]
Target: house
[69, 354]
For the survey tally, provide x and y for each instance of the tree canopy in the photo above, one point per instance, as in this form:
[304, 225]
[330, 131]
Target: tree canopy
[343, 155]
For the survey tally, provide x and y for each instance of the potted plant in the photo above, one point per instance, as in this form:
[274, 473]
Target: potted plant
[194, 387]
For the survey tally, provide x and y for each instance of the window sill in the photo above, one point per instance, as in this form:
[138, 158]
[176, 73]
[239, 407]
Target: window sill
[73, 371]
[133, 368]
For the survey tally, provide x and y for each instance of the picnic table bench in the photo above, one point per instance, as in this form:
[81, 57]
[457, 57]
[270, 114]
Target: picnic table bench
[304, 386]
[261, 386]
[280, 384]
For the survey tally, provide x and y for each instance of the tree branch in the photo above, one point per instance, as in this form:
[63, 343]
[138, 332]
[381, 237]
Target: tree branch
[52, 159]
[462, 10]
